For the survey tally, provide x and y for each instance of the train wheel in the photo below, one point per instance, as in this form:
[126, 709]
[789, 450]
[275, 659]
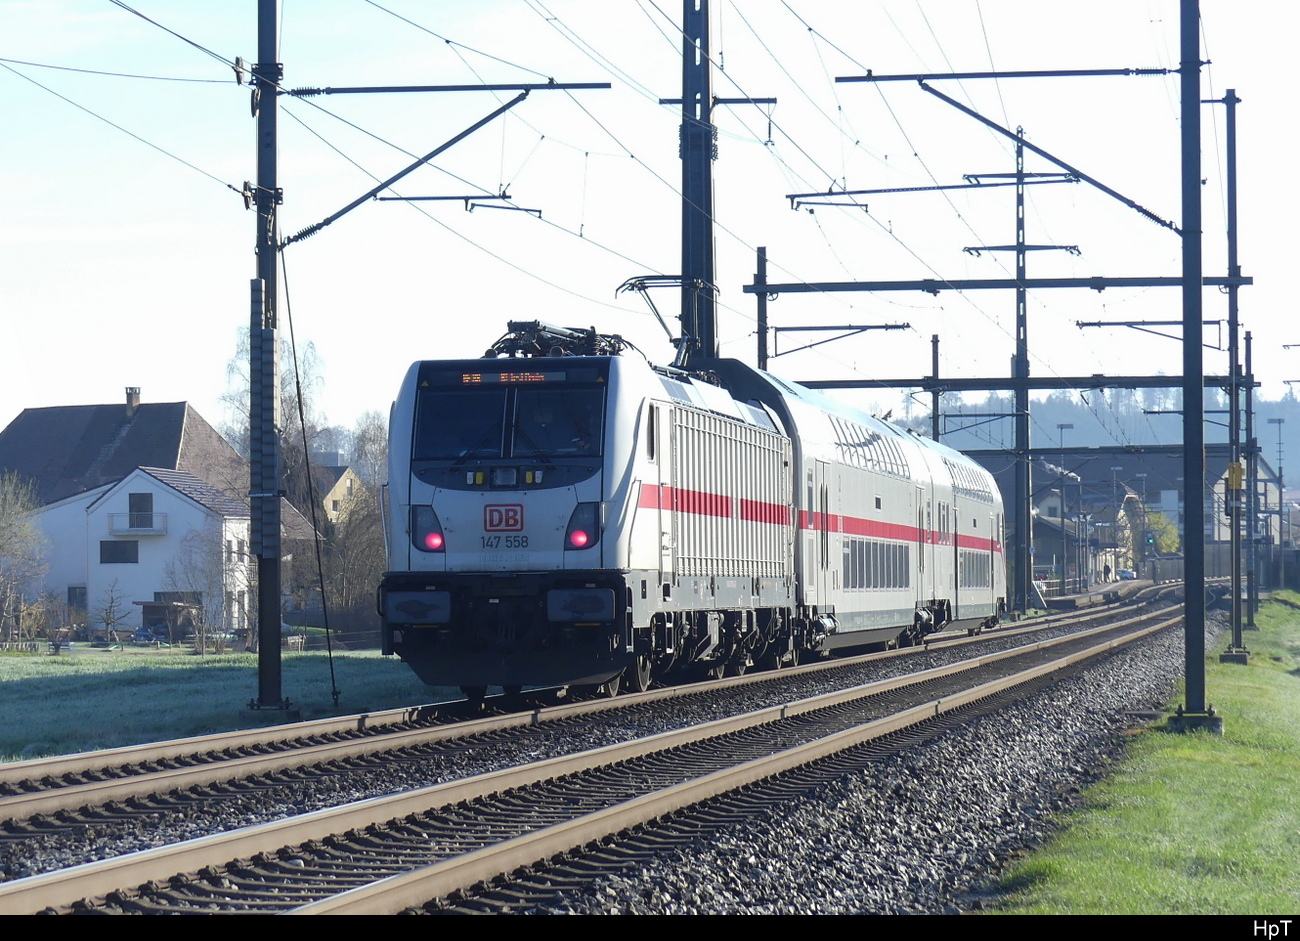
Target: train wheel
[609, 689]
[606, 690]
[475, 694]
[736, 668]
[638, 674]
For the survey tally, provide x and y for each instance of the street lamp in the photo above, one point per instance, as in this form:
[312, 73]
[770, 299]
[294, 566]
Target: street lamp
[1281, 505]
[1114, 483]
[1139, 549]
[1061, 429]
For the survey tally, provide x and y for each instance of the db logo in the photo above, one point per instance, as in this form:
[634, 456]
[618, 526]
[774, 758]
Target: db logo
[503, 518]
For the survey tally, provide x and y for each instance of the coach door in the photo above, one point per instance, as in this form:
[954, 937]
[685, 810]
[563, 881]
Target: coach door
[923, 566]
[815, 534]
[995, 537]
[949, 555]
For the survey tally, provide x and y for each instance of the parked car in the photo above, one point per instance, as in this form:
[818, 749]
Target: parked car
[1126, 575]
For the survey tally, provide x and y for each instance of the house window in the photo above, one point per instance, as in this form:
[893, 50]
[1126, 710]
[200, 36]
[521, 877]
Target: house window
[77, 598]
[112, 551]
[335, 506]
[140, 507]
[349, 486]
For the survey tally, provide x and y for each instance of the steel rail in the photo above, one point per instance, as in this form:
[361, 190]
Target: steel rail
[58, 765]
[60, 888]
[414, 888]
[217, 769]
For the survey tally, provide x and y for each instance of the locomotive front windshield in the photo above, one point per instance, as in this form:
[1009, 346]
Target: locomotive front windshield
[508, 422]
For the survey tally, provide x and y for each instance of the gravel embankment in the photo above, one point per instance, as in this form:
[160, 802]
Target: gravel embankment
[919, 832]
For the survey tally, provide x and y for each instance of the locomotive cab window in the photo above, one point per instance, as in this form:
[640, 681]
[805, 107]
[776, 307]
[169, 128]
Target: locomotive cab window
[451, 423]
[495, 422]
[557, 421]
[494, 425]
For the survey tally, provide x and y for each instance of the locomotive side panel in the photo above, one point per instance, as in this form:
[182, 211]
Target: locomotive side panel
[730, 491]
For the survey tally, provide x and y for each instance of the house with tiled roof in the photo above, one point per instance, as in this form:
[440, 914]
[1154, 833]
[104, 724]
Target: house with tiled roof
[69, 449]
[158, 548]
[143, 514]
[335, 486]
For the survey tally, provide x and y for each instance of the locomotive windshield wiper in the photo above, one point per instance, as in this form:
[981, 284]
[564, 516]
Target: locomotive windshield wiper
[473, 452]
[537, 454]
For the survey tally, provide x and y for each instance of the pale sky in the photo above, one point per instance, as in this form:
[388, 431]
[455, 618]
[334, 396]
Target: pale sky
[121, 265]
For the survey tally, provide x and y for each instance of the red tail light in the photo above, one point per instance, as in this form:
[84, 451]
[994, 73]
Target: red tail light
[426, 530]
[584, 527]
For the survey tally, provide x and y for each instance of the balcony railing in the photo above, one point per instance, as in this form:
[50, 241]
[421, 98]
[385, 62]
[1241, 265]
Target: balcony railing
[137, 524]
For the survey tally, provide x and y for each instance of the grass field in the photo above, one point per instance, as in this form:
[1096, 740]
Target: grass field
[1192, 824]
[95, 698]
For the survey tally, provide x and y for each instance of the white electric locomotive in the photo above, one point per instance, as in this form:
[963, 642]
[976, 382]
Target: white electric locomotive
[563, 512]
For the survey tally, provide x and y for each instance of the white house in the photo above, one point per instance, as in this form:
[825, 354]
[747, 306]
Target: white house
[158, 548]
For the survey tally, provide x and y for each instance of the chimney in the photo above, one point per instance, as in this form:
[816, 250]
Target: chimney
[132, 400]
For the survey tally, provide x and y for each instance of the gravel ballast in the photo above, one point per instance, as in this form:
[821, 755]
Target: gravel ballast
[919, 832]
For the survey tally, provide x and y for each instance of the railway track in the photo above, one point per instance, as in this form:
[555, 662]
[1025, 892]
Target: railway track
[69, 784]
[397, 851]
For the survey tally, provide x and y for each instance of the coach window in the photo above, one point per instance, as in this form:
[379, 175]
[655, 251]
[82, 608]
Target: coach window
[650, 432]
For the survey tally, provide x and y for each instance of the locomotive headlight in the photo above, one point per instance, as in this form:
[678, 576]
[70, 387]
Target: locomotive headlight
[584, 527]
[426, 530]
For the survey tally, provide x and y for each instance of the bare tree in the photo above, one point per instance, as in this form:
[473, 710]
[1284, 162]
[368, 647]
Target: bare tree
[22, 550]
[56, 626]
[209, 584]
[354, 561]
[111, 610]
[370, 449]
[298, 391]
